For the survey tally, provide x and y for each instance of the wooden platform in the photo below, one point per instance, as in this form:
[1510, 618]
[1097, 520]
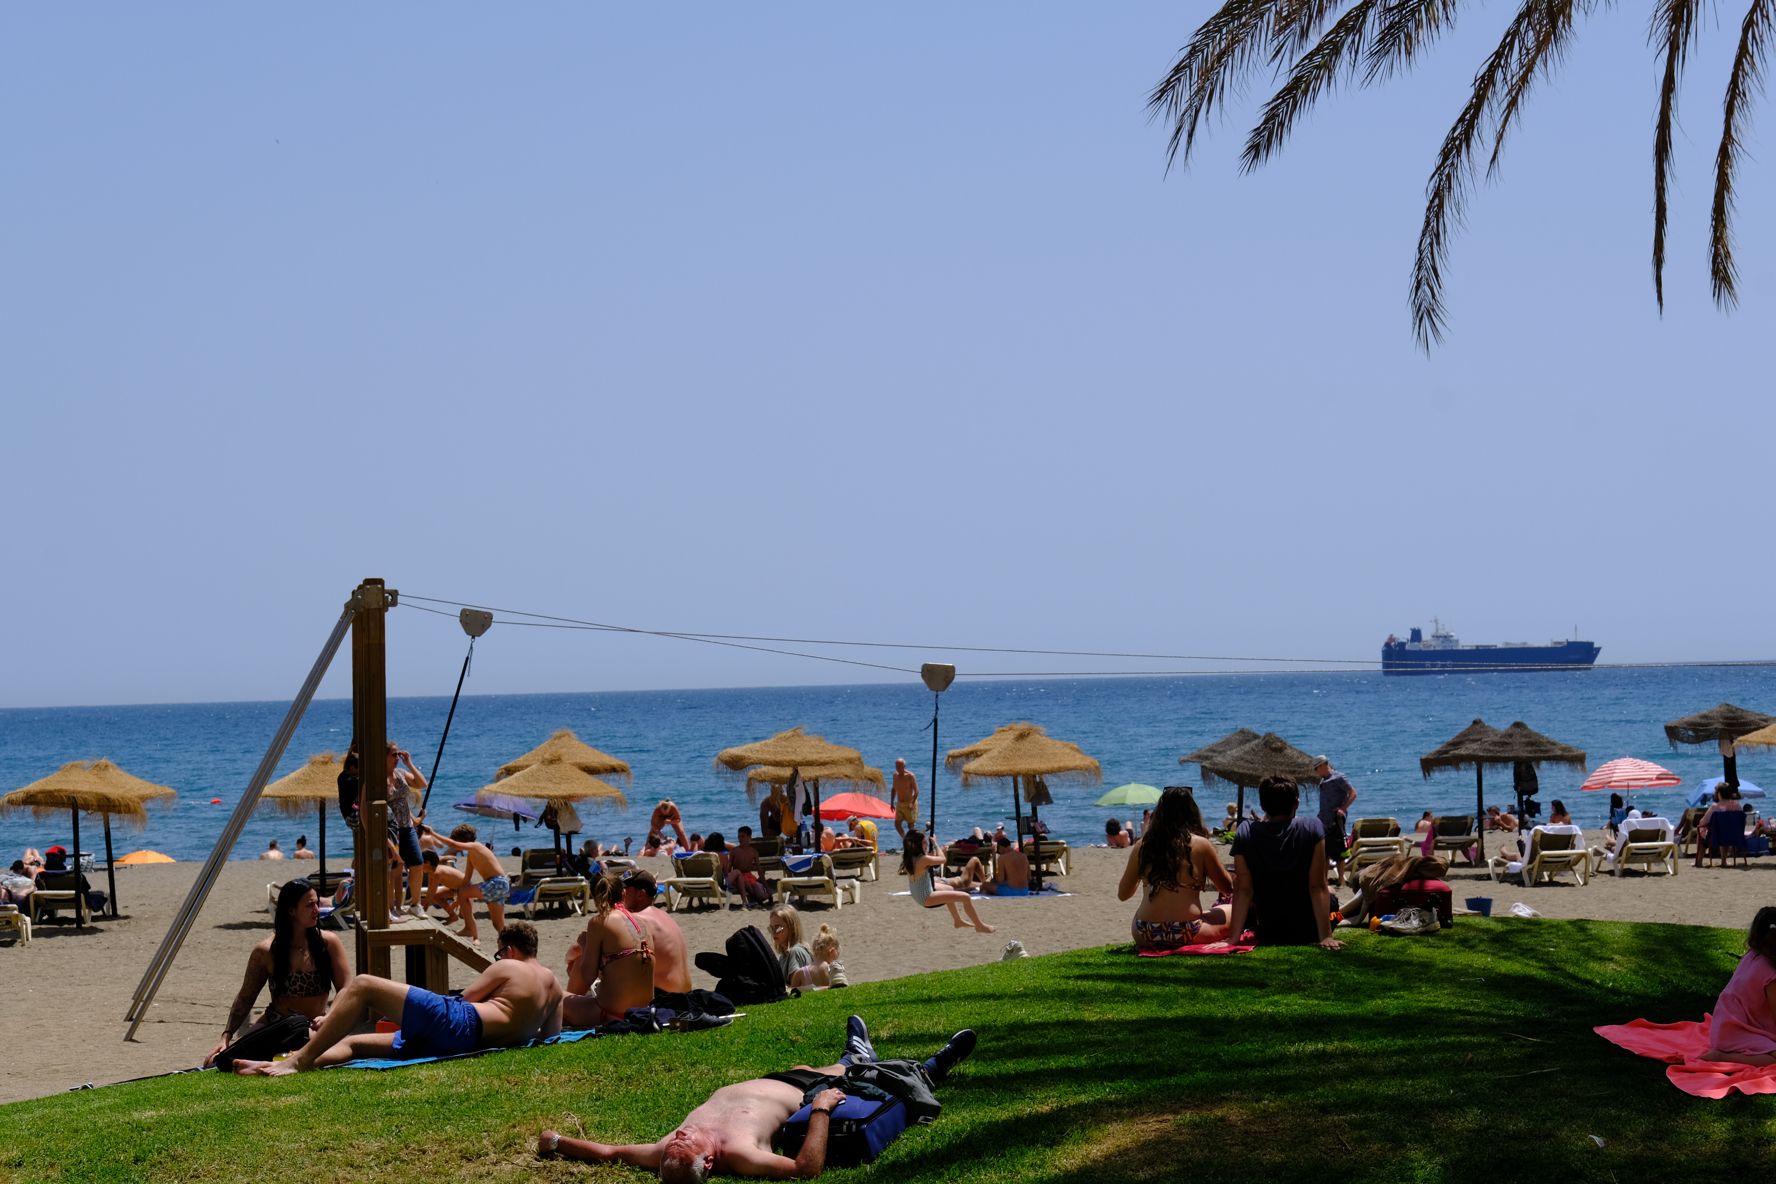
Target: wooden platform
[429, 944]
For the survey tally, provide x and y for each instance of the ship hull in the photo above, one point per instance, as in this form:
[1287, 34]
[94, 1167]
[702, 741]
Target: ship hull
[1488, 659]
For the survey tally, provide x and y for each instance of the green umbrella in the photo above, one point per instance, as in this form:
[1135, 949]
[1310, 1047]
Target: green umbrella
[1132, 794]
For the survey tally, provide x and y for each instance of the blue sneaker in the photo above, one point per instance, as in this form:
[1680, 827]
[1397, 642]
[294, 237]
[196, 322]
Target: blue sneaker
[858, 1049]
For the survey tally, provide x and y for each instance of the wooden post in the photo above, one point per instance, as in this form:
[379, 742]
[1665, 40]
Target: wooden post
[370, 728]
[1480, 810]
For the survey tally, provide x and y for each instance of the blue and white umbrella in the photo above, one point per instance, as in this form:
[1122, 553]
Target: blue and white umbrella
[1705, 792]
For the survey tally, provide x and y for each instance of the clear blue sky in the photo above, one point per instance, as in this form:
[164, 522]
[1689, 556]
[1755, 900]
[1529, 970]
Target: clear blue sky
[836, 321]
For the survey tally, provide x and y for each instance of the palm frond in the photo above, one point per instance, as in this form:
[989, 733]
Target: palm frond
[1218, 52]
[1296, 24]
[1335, 53]
[1747, 76]
[1674, 26]
[1552, 29]
[1405, 27]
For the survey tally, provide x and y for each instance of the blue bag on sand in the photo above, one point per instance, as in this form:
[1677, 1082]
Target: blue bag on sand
[861, 1128]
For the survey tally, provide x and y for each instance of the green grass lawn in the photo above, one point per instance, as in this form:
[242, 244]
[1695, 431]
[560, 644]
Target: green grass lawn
[1467, 1055]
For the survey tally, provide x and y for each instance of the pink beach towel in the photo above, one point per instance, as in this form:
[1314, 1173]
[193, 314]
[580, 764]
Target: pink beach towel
[1681, 1046]
[1214, 947]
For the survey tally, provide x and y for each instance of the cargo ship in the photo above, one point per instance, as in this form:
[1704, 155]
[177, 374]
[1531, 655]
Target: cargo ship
[1443, 653]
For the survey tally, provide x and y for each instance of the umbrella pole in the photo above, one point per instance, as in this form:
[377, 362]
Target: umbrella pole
[1036, 844]
[1480, 808]
[1729, 763]
[110, 866]
[321, 827]
[932, 825]
[80, 915]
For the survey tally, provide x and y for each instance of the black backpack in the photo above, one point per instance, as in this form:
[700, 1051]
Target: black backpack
[749, 972]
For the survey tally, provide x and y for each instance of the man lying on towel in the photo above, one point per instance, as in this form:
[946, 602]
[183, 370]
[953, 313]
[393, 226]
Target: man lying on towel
[731, 1133]
[512, 1002]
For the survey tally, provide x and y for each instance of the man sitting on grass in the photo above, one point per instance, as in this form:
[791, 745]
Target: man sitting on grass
[512, 1002]
[732, 1132]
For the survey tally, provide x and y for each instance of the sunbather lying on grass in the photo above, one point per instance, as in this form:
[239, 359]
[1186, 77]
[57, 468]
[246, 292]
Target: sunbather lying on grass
[732, 1132]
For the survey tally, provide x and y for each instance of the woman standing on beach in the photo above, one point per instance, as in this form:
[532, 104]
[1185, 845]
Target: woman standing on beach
[919, 861]
[403, 777]
[1174, 862]
[302, 964]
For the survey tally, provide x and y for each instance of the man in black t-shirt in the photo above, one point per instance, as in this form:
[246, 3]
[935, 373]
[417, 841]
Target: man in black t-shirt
[1280, 867]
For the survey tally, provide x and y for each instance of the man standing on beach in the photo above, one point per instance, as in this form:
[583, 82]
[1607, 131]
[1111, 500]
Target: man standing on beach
[733, 1132]
[906, 798]
[1336, 796]
[512, 1002]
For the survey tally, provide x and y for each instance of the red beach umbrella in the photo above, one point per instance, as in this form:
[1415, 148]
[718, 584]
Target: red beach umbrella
[1630, 775]
[844, 805]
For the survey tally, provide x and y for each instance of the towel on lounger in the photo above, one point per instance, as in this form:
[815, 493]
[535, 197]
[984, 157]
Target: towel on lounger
[1681, 1046]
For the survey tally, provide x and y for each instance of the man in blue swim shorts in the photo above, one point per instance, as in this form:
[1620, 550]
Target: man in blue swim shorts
[1011, 871]
[512, 1002]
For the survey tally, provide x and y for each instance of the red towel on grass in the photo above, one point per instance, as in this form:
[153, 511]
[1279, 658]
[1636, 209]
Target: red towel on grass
[1681, 1046]
[1217, 947]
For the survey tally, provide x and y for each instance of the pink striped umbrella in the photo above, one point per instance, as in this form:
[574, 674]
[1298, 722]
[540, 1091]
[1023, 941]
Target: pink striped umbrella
[1629, 775]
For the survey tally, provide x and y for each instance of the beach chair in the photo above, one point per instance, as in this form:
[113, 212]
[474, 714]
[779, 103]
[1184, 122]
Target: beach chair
[1646, 843]
[57, 891]
[572, 891]
[1375, 828]
[818, 880]
[858, 863]
[536, 865]
[1050, 855]
[696, 877]
[1552, 850]
[1371, 851]
[1455, 832]
[11, 919]
[1725, 839]
[1687, 832]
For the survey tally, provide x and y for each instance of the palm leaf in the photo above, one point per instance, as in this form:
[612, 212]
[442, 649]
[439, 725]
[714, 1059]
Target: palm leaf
[1747, 76]
[1674, 27]
[1404, 28]
[1220, 49]
[1314, 73]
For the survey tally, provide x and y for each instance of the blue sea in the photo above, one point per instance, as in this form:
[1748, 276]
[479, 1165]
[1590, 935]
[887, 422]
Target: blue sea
[1374, 727]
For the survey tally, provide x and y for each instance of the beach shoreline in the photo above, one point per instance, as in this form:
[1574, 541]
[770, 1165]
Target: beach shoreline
[67, 991]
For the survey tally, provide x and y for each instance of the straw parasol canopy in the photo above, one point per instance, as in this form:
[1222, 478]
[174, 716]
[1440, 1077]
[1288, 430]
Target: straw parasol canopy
[795, 749]
[1722, 725]
[315, 786]
[1238, 738]
[957, 757]
[1457, 752]
[1032, 753]
[568, 747]
[97, 787]
[555, 780]
[1268, 756]
[1764, 737]
[1480, 744]
[843, 774]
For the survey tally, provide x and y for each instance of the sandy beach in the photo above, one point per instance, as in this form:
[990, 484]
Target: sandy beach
[66, 993]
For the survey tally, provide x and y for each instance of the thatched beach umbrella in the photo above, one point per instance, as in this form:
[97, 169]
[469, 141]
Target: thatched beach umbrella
[96, 787]
[554, 780]
[1722, 725]
[1252, 762]
[1238, 738]
[844, 774]
[568, 747]
[799, 751]
[1034, 757]
[315, 784]
[957, 757]
[1519, 746]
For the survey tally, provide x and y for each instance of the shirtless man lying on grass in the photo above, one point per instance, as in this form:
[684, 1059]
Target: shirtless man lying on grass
[731, 1133]
[512, 1002]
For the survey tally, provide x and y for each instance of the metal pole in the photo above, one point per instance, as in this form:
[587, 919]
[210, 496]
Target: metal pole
[436, 760]
[206, 879]
[936, 703]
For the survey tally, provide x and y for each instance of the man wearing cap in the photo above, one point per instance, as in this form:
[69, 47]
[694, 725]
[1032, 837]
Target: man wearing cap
[733, 1132]
[1336, 796]
[672, 962]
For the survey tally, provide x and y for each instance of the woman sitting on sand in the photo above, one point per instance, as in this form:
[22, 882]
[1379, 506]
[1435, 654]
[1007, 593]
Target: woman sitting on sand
[919, 862]
[1175, 862]
[302, 964]
[1743, 1029]
[610, 967]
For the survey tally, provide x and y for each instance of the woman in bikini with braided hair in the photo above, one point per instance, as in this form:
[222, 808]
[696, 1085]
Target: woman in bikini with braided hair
[1174, 862]
[610, 968]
